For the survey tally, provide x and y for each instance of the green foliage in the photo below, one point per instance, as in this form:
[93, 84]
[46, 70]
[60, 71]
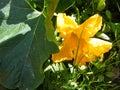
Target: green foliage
[49, 9]
[27, 40]
[101, 5]
[23, 55]
[64, 5]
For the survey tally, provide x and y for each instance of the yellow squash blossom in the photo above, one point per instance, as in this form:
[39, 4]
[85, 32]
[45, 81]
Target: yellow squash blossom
[79, 44]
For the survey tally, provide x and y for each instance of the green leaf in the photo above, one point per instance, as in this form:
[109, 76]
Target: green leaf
[23, 54]
[110, 74]
[50, 6]
[101, 5]
[100, 78]
[49, 9]
[115, 27]
[79, 2]
[10, 31]
[49, 29]
[64, 5]
[108, 14]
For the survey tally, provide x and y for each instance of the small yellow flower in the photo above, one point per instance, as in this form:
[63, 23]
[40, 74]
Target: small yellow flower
[79, 44]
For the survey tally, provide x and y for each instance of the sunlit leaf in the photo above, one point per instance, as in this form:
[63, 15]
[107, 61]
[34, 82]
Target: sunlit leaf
[49, 9]
[101, 5]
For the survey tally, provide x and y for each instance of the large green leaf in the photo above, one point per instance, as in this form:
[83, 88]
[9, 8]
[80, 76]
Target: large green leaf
[9, 31]
[22, 55]
[8, 11]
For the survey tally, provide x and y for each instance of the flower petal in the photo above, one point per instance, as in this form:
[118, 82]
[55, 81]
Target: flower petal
[78, 44]
[65, 24]
[91, 49]
[90, 27]
[67, 49]
[81, 56]
[98, 47]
